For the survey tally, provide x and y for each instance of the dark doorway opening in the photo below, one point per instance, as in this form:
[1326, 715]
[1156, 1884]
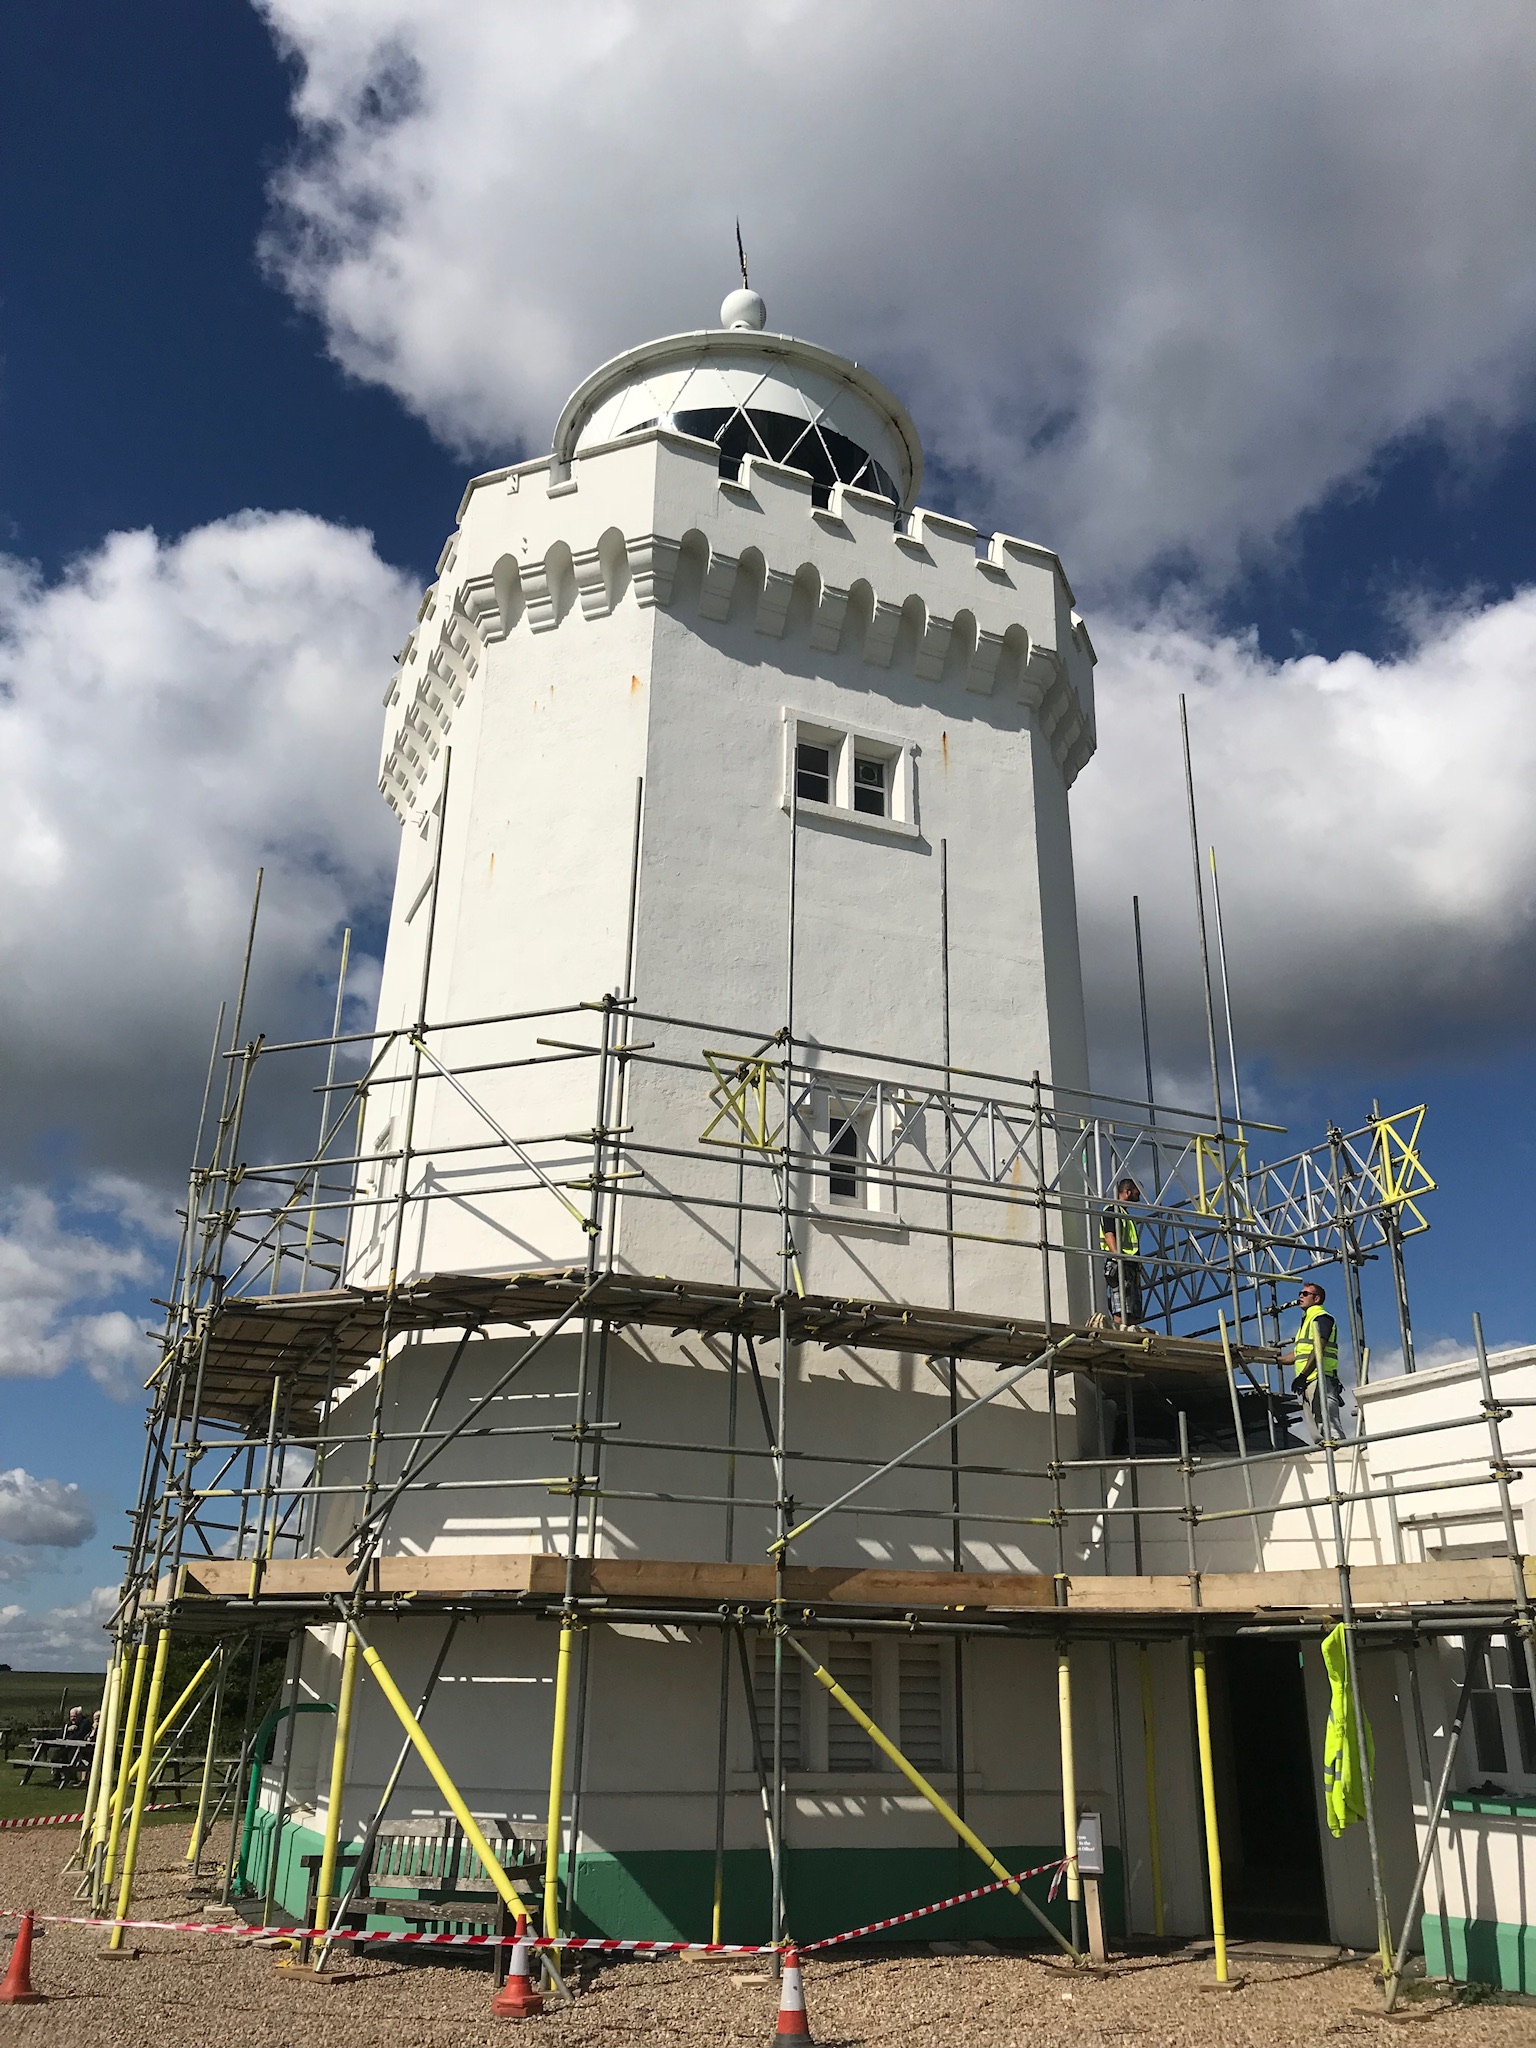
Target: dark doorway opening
[1272, 1859]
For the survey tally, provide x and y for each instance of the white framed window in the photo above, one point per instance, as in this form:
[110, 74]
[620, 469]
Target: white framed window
[1503, 1720]
[864, 779]
[849, 1126]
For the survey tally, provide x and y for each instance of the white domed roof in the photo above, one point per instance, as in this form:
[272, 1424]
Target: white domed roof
[753, 392]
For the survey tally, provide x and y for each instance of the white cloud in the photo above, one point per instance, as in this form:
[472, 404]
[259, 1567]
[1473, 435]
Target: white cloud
[1374, 828]
[58, 1638]
[1157, 277]
[43, 1511]
[172, 715]
[59, 1260]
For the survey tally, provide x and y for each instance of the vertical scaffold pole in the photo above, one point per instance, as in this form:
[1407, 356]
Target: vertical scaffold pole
[1068, 1786]
[1352, 1660]
[93, 1827]
[722, 1758]
[579, 1484]
[210, 1756]
[125, 1763]
[557, 1780]
[952, 1368]
[280, 1816]
[141, 1784]
[326, 1889]
[325, 1105]
[1149, 1767]
[1208, 1799]
[1499, 1466]
[1242, 1440]
[788, 1277]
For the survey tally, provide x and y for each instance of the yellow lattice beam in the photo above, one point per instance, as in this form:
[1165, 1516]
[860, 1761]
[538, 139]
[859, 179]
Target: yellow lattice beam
[1399, 1168]
[741, 1099]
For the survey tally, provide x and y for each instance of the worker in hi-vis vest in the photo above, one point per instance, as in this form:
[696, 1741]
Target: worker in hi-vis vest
[1120, 1237]
[1314, 1361]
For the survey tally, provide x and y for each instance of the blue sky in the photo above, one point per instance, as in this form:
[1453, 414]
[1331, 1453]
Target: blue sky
[1241, 318]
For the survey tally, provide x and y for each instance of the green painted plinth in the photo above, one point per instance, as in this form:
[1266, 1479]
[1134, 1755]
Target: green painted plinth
[668, 1894]
[1499, 1952]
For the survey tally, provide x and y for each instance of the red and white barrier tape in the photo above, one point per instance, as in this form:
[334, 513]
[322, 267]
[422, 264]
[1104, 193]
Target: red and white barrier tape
[59, 1820]
[922, 1912]
[591, 1942]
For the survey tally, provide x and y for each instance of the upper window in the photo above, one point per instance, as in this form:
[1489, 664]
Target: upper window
[813, 772]
[869, 785]
[844, 1151]
[826, 456]
[862, 777]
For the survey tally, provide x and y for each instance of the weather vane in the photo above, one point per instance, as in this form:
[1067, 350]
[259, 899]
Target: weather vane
[741, 257]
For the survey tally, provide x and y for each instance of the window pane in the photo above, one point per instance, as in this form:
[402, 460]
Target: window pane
[1513, 1657]
[1487, 1730]
[843, 1144]
[813, 773]
[869, 787]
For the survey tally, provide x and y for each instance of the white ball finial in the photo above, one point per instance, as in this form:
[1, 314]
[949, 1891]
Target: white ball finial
[743, 309]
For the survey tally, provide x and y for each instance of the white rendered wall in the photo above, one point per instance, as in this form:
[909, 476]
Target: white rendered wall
[645, 617]
[650, 1777]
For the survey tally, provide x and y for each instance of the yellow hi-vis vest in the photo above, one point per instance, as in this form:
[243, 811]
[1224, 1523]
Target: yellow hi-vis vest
[1123, 1227]
[1344, 1770]
[1305, 1347]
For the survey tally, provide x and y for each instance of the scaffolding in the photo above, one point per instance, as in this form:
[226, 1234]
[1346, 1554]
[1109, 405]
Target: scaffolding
[300, 1278]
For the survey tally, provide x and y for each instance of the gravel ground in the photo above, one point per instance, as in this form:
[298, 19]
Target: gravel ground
[188, 1990]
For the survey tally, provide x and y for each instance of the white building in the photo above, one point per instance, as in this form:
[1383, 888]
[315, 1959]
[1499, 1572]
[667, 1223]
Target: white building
[734, 733]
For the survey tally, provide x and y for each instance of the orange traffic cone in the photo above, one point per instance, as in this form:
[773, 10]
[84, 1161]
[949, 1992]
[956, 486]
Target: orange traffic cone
[17, 1987]
[517, 1999]
[793, 2024]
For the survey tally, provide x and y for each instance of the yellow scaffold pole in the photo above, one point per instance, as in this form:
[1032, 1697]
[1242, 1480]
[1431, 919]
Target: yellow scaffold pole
[1208, 1794]
[434, 1763]
[141, 1784]
[557, 1781]
[170, 1717]
[326, 1888]
[100, 1769]
[1068, 1772]
[940, 1805]
[114, 1815]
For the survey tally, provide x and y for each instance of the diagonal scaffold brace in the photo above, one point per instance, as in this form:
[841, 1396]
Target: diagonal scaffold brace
[936, 1800]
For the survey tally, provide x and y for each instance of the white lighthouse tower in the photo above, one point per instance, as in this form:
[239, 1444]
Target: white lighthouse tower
[726, 770]
[718, 588]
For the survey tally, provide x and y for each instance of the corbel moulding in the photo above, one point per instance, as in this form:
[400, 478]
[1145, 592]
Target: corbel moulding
[926, 571]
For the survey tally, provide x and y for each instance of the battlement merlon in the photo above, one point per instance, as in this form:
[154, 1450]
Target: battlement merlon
[538, 549]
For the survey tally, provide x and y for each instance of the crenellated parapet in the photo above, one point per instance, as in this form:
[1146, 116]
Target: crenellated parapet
[648, 521]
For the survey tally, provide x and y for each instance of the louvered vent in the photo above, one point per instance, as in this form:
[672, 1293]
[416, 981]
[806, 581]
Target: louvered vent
[848, 1747]
[922, 1705]
[762, 1701]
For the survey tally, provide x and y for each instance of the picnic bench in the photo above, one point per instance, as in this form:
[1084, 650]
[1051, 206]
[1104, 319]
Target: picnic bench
[425, 1872]
[57, 1753]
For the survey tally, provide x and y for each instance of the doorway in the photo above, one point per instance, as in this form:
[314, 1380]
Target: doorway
[1271, 1855]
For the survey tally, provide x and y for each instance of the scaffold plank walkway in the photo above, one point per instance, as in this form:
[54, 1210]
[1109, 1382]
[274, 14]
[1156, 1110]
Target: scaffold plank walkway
[315, 1341]
[531, 1579]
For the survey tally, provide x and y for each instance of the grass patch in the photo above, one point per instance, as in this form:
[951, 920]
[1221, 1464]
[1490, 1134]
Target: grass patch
[38, 1699]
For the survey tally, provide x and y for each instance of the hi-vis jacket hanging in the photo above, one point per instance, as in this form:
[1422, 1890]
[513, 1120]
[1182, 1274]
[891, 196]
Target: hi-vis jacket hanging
[1343, 1780]
[1304, 1351]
